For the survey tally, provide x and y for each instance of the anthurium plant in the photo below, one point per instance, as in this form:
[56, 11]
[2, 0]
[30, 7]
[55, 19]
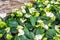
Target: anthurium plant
[37, 21]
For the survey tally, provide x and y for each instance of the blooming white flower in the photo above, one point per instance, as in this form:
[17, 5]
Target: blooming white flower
[39, 5]
[2, 15]
[19, 27]
[46, 27]
[46, 1]
[39, 21]
[21, 32]
[23, 11]
[56, 3]
[27, 15]
[58, 35]
[57, 28]
[31, 10]
[22, 7]
[49, 14]
[52, 1]
[7, 29]
[22, 20]
[48, 5]
[38, 37]
[37, 25]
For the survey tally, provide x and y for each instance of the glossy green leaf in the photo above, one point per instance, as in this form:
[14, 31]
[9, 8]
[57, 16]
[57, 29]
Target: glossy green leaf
[33, 20]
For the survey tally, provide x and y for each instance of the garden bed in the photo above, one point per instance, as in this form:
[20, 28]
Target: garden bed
[37, 21]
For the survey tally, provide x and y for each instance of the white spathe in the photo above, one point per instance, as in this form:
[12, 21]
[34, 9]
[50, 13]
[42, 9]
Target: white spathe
[39, 21]
[23, 11]
[27, 15]
[31, 10]
[22, 20]
[38, 37]
[7, 29]
[49, 14]
[46, 27]
[48, 5]
[21, 32]
[58, 35]
[22, 7]
[19, 27]
[57, 28]
[2, 15]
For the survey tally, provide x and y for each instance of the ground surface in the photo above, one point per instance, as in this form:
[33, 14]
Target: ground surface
[6, 6]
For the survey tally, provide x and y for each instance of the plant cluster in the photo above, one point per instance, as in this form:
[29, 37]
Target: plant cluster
[37, 21]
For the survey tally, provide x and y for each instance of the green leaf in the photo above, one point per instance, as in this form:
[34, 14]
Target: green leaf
[50, 33]
[23, 37]
[26, 31]
[33, 20]
[29, 26]
[12, 23]
[1, 35]
[31, 36]
[17, 38]
[39, 31]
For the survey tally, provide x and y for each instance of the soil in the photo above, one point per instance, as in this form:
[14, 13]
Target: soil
[6, 6]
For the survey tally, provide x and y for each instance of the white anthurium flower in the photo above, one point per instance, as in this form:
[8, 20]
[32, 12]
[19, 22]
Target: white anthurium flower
[39, 21]
[46, 2]
[46, 27]
[52, 1]
[52, 15]
[58, 35]
[2, 15]
[31, 10]
[22, 7]
[48, 5]
[7, 29]
[39, 5]
[57, 28]
[19, 27]
[23, 11]
[49, 14]
[21, 32]
[37, 25]
[22, 20]
[56, 3]
[27, 15]
[38, 37]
